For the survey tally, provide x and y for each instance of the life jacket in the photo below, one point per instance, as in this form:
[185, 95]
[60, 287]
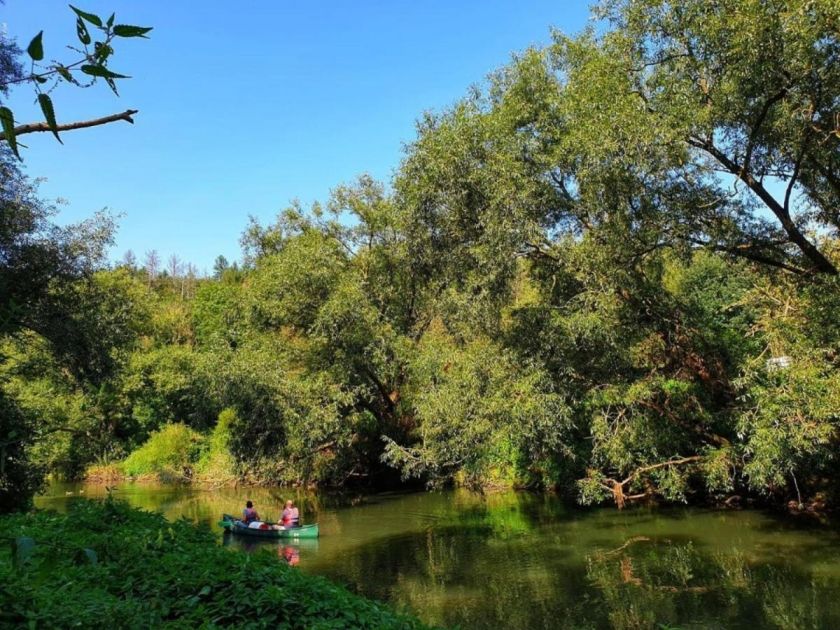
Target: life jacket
[291, 517]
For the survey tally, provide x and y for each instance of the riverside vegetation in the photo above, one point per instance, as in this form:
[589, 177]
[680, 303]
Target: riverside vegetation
[611, 271]
[105, 561]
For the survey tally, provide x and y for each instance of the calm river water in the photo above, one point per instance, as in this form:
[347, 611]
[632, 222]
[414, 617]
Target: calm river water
[516, 560]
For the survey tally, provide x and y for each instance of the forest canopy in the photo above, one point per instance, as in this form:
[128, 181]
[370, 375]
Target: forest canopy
[611, 271]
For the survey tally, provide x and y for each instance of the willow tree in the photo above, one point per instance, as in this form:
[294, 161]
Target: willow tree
[603, 164]
[738, 97]
[719, 126]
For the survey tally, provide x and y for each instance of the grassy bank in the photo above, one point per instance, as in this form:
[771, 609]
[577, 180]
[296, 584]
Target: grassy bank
[175, 453]
[105, 563]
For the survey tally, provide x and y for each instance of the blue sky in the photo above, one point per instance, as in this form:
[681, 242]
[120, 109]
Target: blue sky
[245, 106]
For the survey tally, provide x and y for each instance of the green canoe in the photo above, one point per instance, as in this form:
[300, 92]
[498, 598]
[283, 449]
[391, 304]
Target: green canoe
[236, 526]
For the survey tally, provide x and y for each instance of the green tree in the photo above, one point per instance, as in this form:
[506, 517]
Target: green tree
[731, 102]
[40, 294]
[480, 416]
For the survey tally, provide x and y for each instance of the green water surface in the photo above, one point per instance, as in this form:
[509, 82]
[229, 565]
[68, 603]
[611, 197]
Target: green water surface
[518, 560]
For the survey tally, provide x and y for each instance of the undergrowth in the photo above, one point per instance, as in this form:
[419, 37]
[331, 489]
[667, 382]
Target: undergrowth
[106, 564]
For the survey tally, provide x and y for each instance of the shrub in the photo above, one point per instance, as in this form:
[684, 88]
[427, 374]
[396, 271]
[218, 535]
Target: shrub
[169, 454]
[216, 463]
[104, 473]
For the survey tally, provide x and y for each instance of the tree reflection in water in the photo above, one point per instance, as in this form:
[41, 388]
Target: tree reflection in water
[523, 560]
[649, 583]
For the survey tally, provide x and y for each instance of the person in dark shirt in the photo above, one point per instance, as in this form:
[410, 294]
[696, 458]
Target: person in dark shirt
[249, 514]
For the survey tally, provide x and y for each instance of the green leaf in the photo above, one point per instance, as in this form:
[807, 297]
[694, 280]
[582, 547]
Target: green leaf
[110, 21]
[22, 549]
[112, 85]
[65, 74]
[49, 113]
[82, 32]
[102, 52]
[36, 47]
[90, 17]
[7, 119]
[102, 71]
[125, 30]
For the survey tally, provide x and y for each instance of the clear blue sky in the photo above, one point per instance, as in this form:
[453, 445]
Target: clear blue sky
[247, 105]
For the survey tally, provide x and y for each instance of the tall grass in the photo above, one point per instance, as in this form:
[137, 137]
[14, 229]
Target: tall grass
[216, 464]
[169, 454]
[177, 453]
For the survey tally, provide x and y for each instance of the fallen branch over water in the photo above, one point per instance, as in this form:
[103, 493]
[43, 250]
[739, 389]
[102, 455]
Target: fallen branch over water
[617, 488]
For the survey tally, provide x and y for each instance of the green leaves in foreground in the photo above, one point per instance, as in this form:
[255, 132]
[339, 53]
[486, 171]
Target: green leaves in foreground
[125, 30]
[90, 30]
[90, 17]
[7, 119]
[82, 32]
[115, 562]
[102, 72]
[49, 113]
[36, 47]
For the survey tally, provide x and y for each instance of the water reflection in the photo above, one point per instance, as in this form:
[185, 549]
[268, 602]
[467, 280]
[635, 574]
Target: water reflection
[290, 553]
[648, 582]
[526, 561]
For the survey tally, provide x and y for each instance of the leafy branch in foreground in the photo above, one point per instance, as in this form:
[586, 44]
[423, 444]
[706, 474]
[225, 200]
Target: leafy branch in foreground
[96, 47]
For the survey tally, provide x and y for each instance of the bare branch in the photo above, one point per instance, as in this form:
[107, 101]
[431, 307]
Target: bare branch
[82, 124]
[821, 264]
[617, 487]
[750, 252]
[757, 127]
[670, 462]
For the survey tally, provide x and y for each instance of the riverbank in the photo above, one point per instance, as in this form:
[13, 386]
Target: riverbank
[104, 561]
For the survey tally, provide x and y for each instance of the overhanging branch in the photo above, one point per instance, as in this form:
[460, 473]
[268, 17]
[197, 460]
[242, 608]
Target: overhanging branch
[82, 124]
[617, 487]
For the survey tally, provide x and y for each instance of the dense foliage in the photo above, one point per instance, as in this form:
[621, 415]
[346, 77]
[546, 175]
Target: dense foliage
[105, 563]
[613, 271]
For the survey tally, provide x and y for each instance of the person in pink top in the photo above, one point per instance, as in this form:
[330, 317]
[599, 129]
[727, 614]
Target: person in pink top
[290, 516]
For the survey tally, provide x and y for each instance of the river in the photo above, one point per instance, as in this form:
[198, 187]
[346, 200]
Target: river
[518, 560]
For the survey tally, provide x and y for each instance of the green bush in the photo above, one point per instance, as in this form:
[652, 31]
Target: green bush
[170, 453]
[106, 564]
[216, 463]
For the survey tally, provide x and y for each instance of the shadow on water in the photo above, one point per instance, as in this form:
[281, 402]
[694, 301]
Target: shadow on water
[518, 560]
